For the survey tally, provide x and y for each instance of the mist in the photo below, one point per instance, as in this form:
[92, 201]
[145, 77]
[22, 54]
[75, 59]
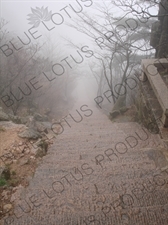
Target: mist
[66, 61]
[82, 119]
[73, 73]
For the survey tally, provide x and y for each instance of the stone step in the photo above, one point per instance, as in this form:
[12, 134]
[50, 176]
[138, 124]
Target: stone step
[89, 177]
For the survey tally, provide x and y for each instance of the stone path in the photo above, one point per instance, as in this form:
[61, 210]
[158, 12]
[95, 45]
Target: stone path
[97, 173]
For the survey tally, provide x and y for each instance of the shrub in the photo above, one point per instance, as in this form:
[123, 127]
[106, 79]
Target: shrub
[3, 182]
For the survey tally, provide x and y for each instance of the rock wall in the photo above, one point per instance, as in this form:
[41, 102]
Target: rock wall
[159, 31]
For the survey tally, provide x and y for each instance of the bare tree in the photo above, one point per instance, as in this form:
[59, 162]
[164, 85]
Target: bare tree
[23, 84]
[119, 42]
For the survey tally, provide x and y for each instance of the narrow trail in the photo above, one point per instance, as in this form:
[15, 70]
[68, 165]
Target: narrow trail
[97, 173]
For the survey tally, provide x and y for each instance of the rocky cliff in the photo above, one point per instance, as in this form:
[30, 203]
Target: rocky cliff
[159, 31]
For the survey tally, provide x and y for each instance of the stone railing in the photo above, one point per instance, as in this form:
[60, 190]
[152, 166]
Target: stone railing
[150, 69]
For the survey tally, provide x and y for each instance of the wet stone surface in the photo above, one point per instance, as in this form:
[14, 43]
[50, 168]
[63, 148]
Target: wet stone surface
[97, 173]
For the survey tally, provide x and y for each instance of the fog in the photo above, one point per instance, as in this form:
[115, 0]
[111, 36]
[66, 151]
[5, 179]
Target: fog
[76, 79]
[16, 13]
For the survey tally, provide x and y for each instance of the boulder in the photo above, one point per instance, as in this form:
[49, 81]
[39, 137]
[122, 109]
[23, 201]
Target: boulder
[43, 126]
[23, 162]
[39, 117]
[30, 133]
[114, 113]
[123, 109]
[3, 115]
[40, 152]
[15, 119]
[42, 148]
[25, 120]
[119, 107]
[7, 207]
[121, 102]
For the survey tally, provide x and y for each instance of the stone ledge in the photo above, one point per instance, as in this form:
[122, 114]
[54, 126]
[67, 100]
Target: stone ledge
[149, 70]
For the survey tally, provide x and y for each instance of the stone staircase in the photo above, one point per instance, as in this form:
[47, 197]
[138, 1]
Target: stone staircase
[97, 172]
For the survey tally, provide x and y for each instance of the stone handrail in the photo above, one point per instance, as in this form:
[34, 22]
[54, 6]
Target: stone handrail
[149, 70]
